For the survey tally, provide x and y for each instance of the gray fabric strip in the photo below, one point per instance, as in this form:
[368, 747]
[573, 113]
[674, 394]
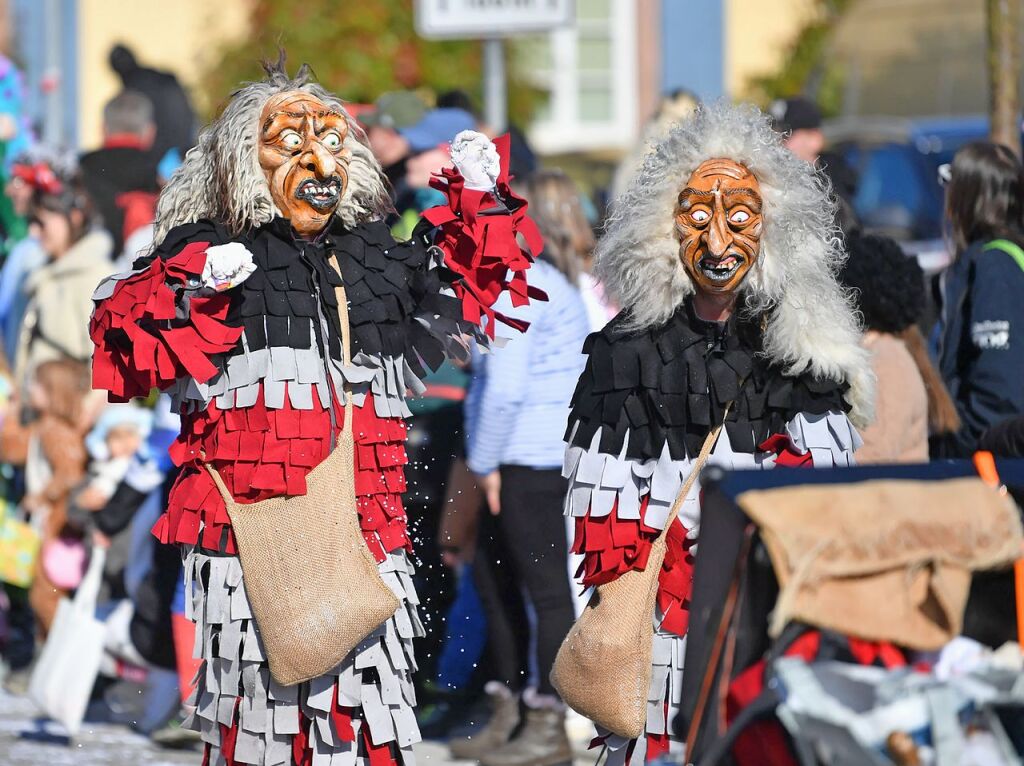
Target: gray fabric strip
[268, 713]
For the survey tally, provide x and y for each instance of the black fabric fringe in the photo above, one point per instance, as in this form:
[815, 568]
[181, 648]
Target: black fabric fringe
[387, 284]
[671, 384]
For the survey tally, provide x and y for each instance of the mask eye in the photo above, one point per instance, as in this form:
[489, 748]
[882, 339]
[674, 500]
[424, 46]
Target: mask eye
[291, 140]
[332, 141]
[700, 216]
[740, 216]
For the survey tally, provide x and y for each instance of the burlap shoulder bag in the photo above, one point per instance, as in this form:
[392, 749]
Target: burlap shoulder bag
[603, 668]
[313, 585]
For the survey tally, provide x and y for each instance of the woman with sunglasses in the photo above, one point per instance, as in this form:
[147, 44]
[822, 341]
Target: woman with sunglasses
[981, 346]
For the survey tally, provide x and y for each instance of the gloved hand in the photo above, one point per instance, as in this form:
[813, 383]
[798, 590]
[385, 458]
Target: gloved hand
[476, 158]
[227, 266]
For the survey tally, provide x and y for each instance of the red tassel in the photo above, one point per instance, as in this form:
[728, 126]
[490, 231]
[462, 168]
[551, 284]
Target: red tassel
[483, 249]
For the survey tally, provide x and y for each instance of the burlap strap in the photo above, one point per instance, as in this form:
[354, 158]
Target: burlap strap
[346, 341]
[346, 355]
[698, 465]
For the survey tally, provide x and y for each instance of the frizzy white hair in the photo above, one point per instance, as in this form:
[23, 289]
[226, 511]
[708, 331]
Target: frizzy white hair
[811, 323]
[221, 178]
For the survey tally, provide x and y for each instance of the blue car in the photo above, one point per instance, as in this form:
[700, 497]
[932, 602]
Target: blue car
[897, 161]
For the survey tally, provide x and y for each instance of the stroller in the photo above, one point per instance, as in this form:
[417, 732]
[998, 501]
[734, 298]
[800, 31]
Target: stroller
[835, 667]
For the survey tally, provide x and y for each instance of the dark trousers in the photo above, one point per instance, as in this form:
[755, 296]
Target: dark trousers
[535, 536]
[508, 629]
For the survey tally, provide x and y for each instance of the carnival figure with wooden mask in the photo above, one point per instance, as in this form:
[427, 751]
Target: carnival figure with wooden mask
[722, 255]
[290, 328]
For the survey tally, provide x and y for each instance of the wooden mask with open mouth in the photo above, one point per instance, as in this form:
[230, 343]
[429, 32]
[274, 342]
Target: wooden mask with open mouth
[718, 221]
[303, 155]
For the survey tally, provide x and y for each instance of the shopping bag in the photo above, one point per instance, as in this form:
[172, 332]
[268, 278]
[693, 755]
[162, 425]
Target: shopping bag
[19, 547]
[63, 678]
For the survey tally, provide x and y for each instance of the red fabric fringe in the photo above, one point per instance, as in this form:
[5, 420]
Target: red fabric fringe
[483, 249]
[140, 345]
[785, 455]
[611, 546]
[264, 453]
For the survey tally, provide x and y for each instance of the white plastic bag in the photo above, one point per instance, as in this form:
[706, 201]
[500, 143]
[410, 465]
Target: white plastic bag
[64, 676]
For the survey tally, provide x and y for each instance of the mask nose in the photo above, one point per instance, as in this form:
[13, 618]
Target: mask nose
[718, 236]
[320, 161]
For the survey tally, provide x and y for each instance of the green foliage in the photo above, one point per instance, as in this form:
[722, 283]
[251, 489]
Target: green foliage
[357, 49]
[807, 69]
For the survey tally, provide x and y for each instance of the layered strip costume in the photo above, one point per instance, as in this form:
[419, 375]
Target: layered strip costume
[257, 374]
[784, 374]
[642, 409]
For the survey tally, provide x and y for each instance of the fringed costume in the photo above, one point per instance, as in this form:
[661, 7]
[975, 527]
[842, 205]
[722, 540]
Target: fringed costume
[782, 373]
[257, 372]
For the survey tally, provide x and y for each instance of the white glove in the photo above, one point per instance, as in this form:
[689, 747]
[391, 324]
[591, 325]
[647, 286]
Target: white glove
[227, 266]
[476, 158]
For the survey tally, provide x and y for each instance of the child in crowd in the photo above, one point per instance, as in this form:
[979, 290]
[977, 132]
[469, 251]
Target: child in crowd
[51, 446]
[117, 437]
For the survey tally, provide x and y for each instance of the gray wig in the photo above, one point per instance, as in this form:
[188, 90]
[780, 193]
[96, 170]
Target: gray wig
[811, 322]
[221, 178]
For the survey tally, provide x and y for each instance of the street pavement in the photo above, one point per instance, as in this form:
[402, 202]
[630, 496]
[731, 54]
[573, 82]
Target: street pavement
[27, 740]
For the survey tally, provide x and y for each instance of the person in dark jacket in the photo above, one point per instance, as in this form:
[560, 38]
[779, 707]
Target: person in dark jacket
[121, 176]
[173, 114]
[981, 338]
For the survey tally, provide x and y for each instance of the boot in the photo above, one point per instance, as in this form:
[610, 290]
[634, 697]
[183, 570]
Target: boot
[503, 721]
[541, 742]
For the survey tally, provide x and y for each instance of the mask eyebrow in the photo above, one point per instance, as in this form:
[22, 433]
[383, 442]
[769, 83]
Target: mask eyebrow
[320, 127]
[683, 199]
[274, 115]
[753, 200]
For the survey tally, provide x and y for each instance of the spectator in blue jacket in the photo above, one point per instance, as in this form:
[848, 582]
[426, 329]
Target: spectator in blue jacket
[981, 351]
[517, 407]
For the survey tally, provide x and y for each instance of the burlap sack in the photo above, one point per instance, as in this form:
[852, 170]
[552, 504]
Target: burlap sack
[603, 668]
[313, 585]
[883, 560]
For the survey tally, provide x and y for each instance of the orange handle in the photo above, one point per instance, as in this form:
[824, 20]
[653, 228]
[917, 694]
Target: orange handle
[985, 464]
[1018, 579]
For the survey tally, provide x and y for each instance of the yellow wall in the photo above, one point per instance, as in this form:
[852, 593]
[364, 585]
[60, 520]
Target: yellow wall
[183, 36]
[757, 35]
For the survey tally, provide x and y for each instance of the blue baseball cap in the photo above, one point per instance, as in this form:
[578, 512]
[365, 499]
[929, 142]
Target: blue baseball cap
[438, 126]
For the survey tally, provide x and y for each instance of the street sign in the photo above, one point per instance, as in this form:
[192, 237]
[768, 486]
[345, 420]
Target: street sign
[477, 19]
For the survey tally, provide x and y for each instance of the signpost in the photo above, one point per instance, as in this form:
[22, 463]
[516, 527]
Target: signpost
[491, 21]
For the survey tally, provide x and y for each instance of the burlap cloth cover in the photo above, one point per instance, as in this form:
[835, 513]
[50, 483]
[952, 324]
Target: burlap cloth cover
[603, 668]
[313, 585]
[883, 560]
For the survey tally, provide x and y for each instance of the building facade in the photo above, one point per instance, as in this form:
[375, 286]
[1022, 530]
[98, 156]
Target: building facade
[602, 78]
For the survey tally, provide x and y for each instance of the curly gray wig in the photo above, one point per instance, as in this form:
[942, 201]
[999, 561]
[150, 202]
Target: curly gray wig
[811, 323]
[221, 176]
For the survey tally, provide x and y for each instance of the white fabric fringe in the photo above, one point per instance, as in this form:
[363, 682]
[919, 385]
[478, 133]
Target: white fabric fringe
[375, 679]
[597, 480]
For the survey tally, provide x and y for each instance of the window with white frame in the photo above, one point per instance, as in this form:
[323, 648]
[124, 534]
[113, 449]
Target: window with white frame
[586, 75]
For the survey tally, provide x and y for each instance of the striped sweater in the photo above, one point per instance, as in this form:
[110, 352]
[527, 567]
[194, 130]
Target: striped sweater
[518, 400]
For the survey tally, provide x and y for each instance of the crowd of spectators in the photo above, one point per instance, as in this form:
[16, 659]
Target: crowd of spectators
[485, 444]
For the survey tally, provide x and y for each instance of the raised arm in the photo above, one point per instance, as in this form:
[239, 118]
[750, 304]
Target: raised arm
[478, 231]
